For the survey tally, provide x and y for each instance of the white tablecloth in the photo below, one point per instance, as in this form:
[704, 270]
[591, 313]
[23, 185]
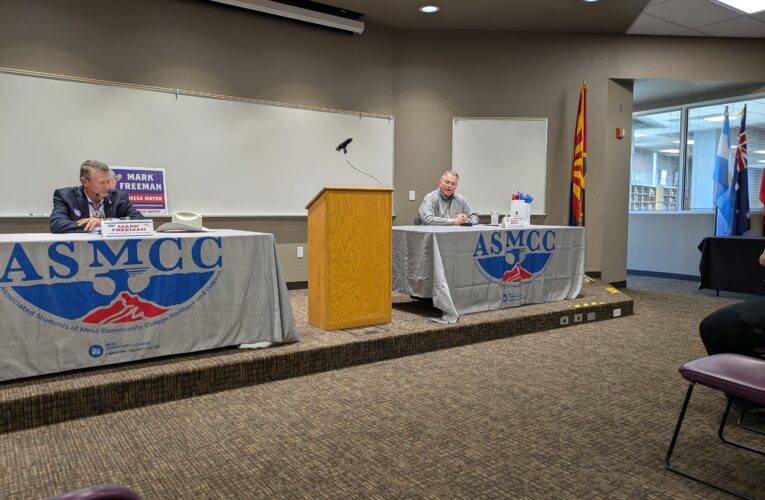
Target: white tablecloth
[76, 300]
[480, 268]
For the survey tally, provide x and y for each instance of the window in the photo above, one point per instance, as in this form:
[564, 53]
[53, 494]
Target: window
[665, 164]
[655, 170]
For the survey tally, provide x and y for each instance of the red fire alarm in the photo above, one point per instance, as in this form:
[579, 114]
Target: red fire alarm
[619, 133]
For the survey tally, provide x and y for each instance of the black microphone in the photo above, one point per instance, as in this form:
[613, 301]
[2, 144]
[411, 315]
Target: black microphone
[108, 200]
[344, 144]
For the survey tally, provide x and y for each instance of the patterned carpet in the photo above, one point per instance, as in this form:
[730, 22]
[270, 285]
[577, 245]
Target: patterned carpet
[579, 412]
[55, 398]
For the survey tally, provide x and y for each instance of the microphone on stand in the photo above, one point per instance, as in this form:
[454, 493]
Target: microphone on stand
[343, 145]
[108, 201]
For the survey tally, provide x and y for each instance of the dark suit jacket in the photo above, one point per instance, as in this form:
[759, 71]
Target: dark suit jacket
[70, 205]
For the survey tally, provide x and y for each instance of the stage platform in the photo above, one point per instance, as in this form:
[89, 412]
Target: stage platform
[45, 400]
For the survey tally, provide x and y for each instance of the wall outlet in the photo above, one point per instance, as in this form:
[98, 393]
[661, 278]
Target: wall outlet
[299, 252]
[563, 320]
[412, 196]
[617, 312]
[578, 317]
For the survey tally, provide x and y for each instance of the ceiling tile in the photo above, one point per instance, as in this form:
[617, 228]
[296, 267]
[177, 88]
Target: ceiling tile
[739, 27]
[691, 13]
[691, 33]
[648, 25]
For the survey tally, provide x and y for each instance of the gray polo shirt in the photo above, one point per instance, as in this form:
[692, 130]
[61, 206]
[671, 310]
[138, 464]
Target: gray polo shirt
[437, 210]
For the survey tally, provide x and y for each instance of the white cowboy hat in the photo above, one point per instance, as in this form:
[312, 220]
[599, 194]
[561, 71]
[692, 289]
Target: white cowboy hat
[183, 221]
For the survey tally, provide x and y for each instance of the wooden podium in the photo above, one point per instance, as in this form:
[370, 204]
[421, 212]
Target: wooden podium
[349, 257]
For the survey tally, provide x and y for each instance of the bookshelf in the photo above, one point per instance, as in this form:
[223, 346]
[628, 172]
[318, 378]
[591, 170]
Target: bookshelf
[643, 197]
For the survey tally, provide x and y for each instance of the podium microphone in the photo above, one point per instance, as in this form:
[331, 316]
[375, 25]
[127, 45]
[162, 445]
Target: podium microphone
[343, 145]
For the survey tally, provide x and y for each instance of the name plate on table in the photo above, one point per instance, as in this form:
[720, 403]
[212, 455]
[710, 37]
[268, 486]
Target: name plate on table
[510, 222]
[136, 227]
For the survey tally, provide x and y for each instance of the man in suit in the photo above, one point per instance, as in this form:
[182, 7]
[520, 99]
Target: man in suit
[82, 208]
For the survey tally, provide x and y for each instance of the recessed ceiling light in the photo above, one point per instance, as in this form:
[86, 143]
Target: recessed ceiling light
[429, 9]
[589, 1]
[671, 151]
[689, 141]
[760, 161]
[639, 134]
[714, 118]
[760, 152]
[747, 6]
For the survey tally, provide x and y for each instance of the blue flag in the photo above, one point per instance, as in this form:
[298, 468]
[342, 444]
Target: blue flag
[720, 176]
[740, 184]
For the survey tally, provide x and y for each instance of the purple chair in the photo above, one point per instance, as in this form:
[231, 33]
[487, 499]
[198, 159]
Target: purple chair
[757, 352]
[100, 492]
[739, 377]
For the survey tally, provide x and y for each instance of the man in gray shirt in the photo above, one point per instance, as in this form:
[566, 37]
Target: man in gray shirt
[444, 207]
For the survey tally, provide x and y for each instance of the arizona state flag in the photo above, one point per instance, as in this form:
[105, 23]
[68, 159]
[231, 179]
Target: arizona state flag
[579, 164]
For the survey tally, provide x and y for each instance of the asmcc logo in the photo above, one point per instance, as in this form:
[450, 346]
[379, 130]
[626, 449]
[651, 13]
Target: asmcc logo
[122, 290]
[512, 257]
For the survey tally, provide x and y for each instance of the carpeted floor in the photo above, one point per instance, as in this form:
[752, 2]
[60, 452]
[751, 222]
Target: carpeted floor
[580, 412]
[54, 398]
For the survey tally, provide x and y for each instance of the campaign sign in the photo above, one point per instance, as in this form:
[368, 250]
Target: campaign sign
[145, 187]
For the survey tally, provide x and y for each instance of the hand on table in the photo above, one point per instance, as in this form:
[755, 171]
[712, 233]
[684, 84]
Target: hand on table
[89, 223]
[461, 219]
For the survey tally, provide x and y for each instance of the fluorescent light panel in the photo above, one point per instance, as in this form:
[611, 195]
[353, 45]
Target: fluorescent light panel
[297, 13]
[746, 6]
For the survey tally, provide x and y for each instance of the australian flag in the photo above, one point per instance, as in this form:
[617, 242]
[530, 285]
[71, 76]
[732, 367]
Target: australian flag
[740, 184]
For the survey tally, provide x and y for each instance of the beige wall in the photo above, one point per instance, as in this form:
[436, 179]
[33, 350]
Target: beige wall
[424, 78]
[439, 75]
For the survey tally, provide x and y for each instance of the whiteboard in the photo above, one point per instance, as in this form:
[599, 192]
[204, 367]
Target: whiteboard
[221, 156]
[497, 157]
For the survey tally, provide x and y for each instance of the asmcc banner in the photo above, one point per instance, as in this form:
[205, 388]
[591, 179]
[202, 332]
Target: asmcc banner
[85, 301]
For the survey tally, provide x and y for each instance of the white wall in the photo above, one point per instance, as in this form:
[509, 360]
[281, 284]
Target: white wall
[668, 242]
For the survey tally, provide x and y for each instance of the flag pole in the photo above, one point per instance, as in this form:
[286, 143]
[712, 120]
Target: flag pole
[584, 154]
